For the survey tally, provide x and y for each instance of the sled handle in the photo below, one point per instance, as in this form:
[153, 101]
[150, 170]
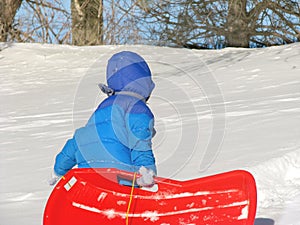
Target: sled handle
[128, 181]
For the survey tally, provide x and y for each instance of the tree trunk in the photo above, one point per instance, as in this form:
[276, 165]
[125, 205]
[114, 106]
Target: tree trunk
[87, 22]
[237, 31]
[8, 10]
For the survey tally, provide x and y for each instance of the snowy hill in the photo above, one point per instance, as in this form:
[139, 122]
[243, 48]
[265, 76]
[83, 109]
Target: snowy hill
[215, 111]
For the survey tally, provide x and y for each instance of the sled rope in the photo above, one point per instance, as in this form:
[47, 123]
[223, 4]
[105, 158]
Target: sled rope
[130, 198]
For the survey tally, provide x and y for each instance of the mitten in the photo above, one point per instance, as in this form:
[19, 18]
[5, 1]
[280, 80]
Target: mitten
[147, 177]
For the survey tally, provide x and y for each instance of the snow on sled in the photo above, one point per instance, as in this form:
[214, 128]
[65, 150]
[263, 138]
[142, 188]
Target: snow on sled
[96, 197]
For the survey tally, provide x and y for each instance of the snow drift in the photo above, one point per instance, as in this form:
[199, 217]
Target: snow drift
[216, 110]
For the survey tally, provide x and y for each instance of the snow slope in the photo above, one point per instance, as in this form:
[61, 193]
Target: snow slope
[215, 111]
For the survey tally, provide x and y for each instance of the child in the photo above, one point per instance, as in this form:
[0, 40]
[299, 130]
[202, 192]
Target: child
[119, 133]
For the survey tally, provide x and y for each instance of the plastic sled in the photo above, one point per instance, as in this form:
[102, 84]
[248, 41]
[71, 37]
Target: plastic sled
[106, 196]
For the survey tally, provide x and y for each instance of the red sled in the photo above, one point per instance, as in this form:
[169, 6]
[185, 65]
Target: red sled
[106, 196]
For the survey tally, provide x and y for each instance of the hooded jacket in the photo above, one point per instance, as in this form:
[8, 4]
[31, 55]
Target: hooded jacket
[118, 134]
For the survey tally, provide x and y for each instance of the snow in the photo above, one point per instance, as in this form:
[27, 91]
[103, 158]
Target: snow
[216, 111]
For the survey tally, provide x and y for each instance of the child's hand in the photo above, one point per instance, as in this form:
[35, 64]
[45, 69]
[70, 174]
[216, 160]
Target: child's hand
[147, 178]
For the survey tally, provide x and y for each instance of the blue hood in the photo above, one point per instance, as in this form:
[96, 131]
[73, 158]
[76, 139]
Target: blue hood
[128, 71]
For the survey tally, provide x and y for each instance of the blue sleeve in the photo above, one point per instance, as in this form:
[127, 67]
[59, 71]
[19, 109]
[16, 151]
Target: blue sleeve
[144, 158]
[66, 160]
[140, 140]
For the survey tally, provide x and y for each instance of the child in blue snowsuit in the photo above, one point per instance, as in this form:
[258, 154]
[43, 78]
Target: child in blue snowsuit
[119, 133]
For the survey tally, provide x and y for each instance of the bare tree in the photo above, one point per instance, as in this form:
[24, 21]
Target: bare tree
[8, 10]
[87, 22]
[209, 23]
[237, 31]
[49, 22]
[123, 22]
[262, 22]
[35, 21]
[189, 23]
[278, 22]
[111, 22]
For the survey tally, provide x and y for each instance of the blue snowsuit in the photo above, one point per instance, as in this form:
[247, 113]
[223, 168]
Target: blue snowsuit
[118, 134]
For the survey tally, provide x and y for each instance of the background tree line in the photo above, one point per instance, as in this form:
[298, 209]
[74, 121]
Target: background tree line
[188, 23]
